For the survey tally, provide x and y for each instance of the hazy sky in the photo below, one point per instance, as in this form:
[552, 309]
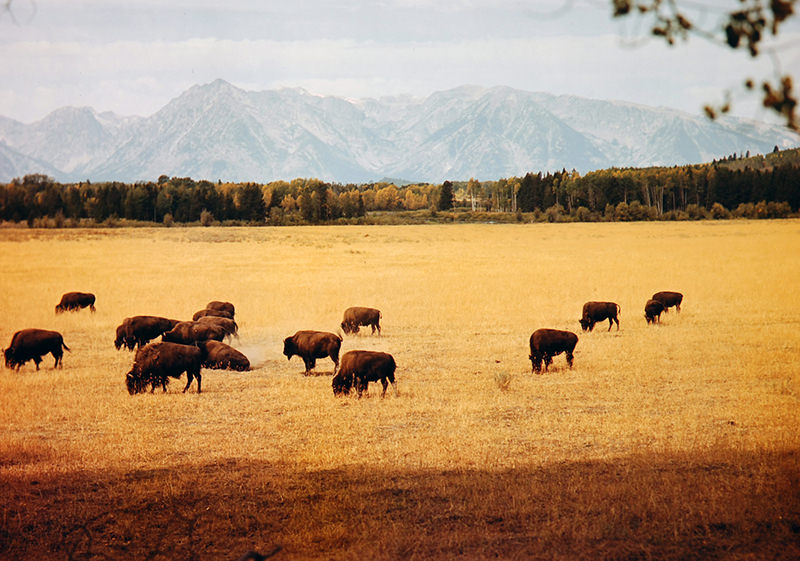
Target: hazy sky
[133, 56]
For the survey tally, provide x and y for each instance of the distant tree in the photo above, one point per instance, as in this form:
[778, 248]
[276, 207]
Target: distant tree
[446, 197]
[251, 203]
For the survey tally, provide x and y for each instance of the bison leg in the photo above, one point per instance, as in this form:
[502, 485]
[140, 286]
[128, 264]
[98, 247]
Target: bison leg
[59, 362]
[548, 360]
[385, 384]
[569, 358]
[37, 360]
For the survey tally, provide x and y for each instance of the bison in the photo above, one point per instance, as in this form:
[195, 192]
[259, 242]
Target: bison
[223, 306]
[358, 368]
[594, 312]
[547, 343]
[211, 313]
[652, 311]
[74, 301]
[219, 356]
[228, 325]
[157, 362]
[357, 316]
[137, 331]
[33, 344]
[311, 345]
[191, 332]
[669, 299]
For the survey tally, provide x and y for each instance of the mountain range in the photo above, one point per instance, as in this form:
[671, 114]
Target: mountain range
[218, 131]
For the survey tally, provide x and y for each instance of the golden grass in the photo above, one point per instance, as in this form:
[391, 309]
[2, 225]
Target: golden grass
[661, 441]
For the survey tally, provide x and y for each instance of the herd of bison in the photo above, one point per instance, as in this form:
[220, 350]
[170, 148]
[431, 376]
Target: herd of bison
[188, 346]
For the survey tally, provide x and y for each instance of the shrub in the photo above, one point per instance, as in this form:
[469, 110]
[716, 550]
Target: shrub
[168, 220]
[695, 212]
[555, 213]
[719, 212]
[206, 218]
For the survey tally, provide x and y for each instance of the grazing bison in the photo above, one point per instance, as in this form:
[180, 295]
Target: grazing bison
[211, 313]
[311, 345]
[224, 306]
[137, 331]
[547, 343]
[358, 368]
[594, 312]
[669, 299]
[157, 362]
[228, 325]
[33, 344]
[219, 356]
[357, 316]
[74, 301]
[191, 332]
[652, 311]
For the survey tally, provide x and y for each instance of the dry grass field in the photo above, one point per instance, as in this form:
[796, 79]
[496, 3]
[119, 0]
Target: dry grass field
[677, 441]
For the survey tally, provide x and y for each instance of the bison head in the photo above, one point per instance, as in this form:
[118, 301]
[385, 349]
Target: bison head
[135, 383]
[8, 354]
[342, 384]
[120, 339]
[585, 323]
[289, 348]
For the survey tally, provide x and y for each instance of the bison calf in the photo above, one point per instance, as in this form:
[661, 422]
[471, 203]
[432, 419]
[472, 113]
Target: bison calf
[669, 299]
[157, 362]
[357, 316]
[33, 344]
[359, 368]
[191, 332]
[547, 343]
[652, 311]
[311, 345]
[219, 356]
[137, 331]
[222, 306]
[74, 301]
[594, 312]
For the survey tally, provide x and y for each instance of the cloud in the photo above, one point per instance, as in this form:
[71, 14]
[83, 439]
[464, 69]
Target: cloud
[138, 77]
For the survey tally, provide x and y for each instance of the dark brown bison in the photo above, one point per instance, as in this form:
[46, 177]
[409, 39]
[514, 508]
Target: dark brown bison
[224, 306]
[137, 331]
[594, 312]
[157, 362]
[228, 325]
[669, 299]
[357, 316]
[359, 368]
[311, 345]
[219, 356]
[74, 301]
[652, 311]
[191, 332]
[547, 343]
[211, 313]
[33, 344]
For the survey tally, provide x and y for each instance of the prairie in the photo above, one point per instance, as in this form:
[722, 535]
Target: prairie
[675, 441]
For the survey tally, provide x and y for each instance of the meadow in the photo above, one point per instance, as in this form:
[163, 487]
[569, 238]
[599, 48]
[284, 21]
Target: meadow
[675, 441]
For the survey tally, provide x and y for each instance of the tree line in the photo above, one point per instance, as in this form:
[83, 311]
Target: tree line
[756, 187]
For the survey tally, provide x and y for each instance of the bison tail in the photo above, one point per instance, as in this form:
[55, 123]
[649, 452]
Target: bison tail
[63, 344]
[619, 309]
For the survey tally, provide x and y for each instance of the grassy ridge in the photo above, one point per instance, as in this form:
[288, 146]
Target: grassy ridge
[669, 442]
